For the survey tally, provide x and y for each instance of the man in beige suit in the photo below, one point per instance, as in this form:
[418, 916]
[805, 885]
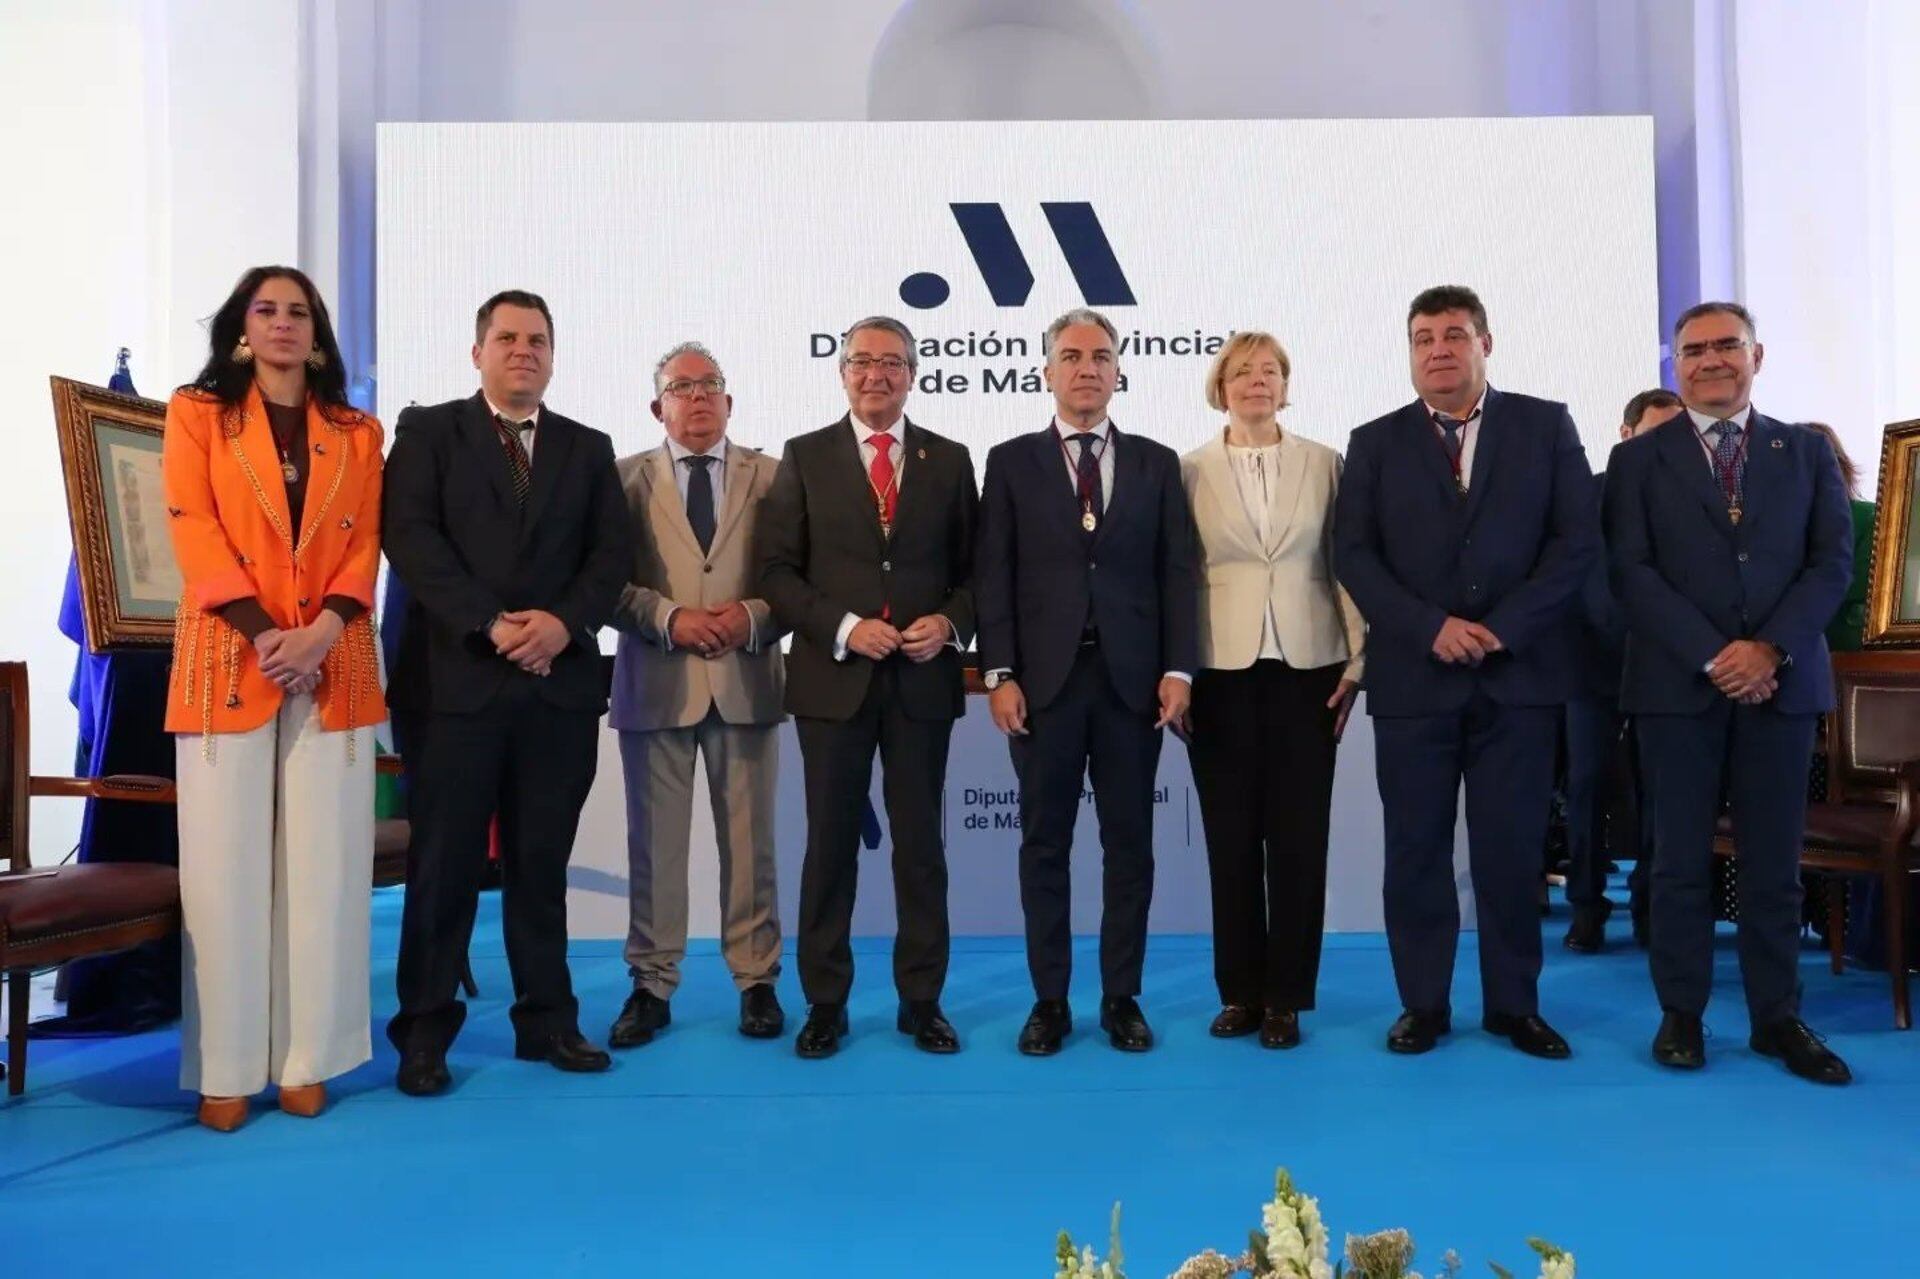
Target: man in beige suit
[698, 672]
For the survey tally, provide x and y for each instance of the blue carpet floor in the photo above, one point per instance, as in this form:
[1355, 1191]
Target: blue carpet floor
[708, 1155]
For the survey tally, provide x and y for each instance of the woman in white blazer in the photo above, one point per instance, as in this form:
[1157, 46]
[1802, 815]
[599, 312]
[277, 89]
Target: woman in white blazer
[1280, 660]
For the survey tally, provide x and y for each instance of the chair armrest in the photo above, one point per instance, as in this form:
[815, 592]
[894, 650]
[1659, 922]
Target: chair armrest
[1906, 801]
[134, 787]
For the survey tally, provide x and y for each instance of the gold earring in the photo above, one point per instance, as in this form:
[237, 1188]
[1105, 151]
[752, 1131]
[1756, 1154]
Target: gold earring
[316, 359]
[243, 354]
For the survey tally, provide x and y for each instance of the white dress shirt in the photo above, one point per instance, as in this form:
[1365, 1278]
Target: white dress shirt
[1254, 472]
[1469, 435]
[527, 428]
[677, 455]
[1707, 427]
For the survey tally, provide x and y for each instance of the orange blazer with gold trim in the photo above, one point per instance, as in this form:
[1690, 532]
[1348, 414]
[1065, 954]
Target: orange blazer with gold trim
[232, 536]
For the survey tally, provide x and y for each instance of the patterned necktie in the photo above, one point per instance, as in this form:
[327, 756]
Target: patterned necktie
[1730, 464]
[518, 464]
[1087, 475]
[700, 500]
[886, 493]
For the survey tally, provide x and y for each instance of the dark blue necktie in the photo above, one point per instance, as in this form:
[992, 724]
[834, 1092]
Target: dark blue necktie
[700, 500]
[1730, 464]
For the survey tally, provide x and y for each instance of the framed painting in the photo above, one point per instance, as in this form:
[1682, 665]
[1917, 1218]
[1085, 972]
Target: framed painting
[1893, 591]
[117, 506]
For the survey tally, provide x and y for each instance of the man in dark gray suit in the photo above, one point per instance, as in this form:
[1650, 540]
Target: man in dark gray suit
[865, 544]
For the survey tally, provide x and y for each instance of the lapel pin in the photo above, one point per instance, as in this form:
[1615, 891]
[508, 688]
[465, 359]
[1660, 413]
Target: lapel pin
[922, 455]
[1779, 444]
[347, 522]
[320, 449]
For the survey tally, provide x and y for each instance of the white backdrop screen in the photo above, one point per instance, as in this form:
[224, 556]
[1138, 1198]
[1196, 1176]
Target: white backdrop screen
[767, 241]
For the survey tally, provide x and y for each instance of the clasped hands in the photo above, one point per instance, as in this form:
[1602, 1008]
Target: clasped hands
[711, 632]
[530, 639]
[1746, 671]
[291, 658]
[1464, 643]
[875, 638]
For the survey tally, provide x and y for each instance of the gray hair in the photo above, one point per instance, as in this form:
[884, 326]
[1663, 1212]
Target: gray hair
[886, 324]
[1734, 309]
[680, 349]
[1081, 315]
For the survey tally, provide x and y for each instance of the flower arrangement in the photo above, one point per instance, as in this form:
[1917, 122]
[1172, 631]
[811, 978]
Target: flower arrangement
[1292, 1243]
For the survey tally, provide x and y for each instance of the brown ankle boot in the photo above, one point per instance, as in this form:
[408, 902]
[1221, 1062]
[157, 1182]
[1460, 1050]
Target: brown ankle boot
[223, 1114]
[304, 1100]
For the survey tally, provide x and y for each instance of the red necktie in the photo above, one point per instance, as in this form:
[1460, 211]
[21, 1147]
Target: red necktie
[885, 491]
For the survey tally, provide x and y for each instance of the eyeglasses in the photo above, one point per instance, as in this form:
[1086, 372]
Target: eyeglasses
[1719, 346]
[891, 365]
[683, 388]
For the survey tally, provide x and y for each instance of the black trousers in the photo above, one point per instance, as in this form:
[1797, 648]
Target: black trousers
[533, 763]
[1758, 758]
[1504, 754]
[837, 759]
[1262, 755]
[1604, 795]
[1086, 729]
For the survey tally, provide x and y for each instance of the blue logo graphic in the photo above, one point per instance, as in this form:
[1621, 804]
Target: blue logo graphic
[1003, 265]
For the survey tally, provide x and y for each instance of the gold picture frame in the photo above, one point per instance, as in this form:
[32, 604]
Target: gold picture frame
[117, 506]
[1893, 590]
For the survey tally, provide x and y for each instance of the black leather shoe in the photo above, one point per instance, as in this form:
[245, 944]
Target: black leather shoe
[1280, 1028]
[1681, 1042]
[423, 1072]
[931, 1031]
[567, 1050]
[1805, 1053]
[643, 1016]
[820, 1037]
[1125, 1024]
[1529, 1033]
[1048, 1026]
[1414, 1032]
[1234, 1021]
[1587, 934]
[761, 1016]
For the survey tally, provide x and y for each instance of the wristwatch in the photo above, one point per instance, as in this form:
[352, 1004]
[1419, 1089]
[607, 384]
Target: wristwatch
[994, 679]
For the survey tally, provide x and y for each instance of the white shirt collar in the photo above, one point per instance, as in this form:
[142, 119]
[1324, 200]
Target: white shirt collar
[532, 421]
[1066, 432]
[861, 430]
[678, 451]
[1704, 422]
[1468, 416]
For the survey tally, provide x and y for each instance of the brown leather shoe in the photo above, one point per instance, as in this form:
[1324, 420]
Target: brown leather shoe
[304, 1100]
[223, 1114]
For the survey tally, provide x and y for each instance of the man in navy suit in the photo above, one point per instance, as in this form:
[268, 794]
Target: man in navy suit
[1601, 779]
[1463, 528]
[1731, 547]
[1088, 599]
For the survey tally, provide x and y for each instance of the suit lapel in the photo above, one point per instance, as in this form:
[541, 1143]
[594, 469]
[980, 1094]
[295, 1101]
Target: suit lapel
[1419, 437]
[663, 497]
[846, 445]
[1129, 473]
[483, 437]
[1765, 463]
[552, 446]
[258, 457]
[1679, 446]
[1216, 473]
[1285, 499]
[1492, 430]
[911, 469]
[326, 464]
[739, 469]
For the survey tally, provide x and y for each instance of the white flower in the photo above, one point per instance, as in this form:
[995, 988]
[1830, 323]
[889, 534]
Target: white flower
[1560, 1267]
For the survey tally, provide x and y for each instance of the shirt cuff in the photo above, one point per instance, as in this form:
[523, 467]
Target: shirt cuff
[1182, 676]
[847, 624]
[247, 616]
[666, 630]
[953, 633]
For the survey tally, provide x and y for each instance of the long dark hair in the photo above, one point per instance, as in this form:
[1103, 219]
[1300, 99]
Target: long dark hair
[229, 382]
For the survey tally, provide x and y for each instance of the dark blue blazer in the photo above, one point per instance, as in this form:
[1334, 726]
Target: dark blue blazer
[1692, 581]
[1510, 555]
[1039, 578]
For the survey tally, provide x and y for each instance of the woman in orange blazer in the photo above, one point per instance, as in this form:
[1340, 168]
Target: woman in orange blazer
[273, 489]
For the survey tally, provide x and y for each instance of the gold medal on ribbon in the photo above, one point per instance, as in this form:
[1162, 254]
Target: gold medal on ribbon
[289, 472]
[1089, 521]
[1733, 514]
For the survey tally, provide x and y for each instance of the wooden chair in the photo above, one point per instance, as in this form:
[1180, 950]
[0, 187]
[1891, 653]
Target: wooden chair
[52, 915]
[1871, 816]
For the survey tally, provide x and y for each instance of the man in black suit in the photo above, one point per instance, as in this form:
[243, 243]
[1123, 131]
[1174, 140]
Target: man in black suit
[1602, 773]
[507, 524]
[864, 543]
[1463, 528]
[1088, 592]
[1732, 547]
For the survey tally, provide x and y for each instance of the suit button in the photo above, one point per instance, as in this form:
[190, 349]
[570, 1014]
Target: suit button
[303, 601]
[1743, 557]
[706, 568]
[886, 566]
[1092, 565]
[1474, 587]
